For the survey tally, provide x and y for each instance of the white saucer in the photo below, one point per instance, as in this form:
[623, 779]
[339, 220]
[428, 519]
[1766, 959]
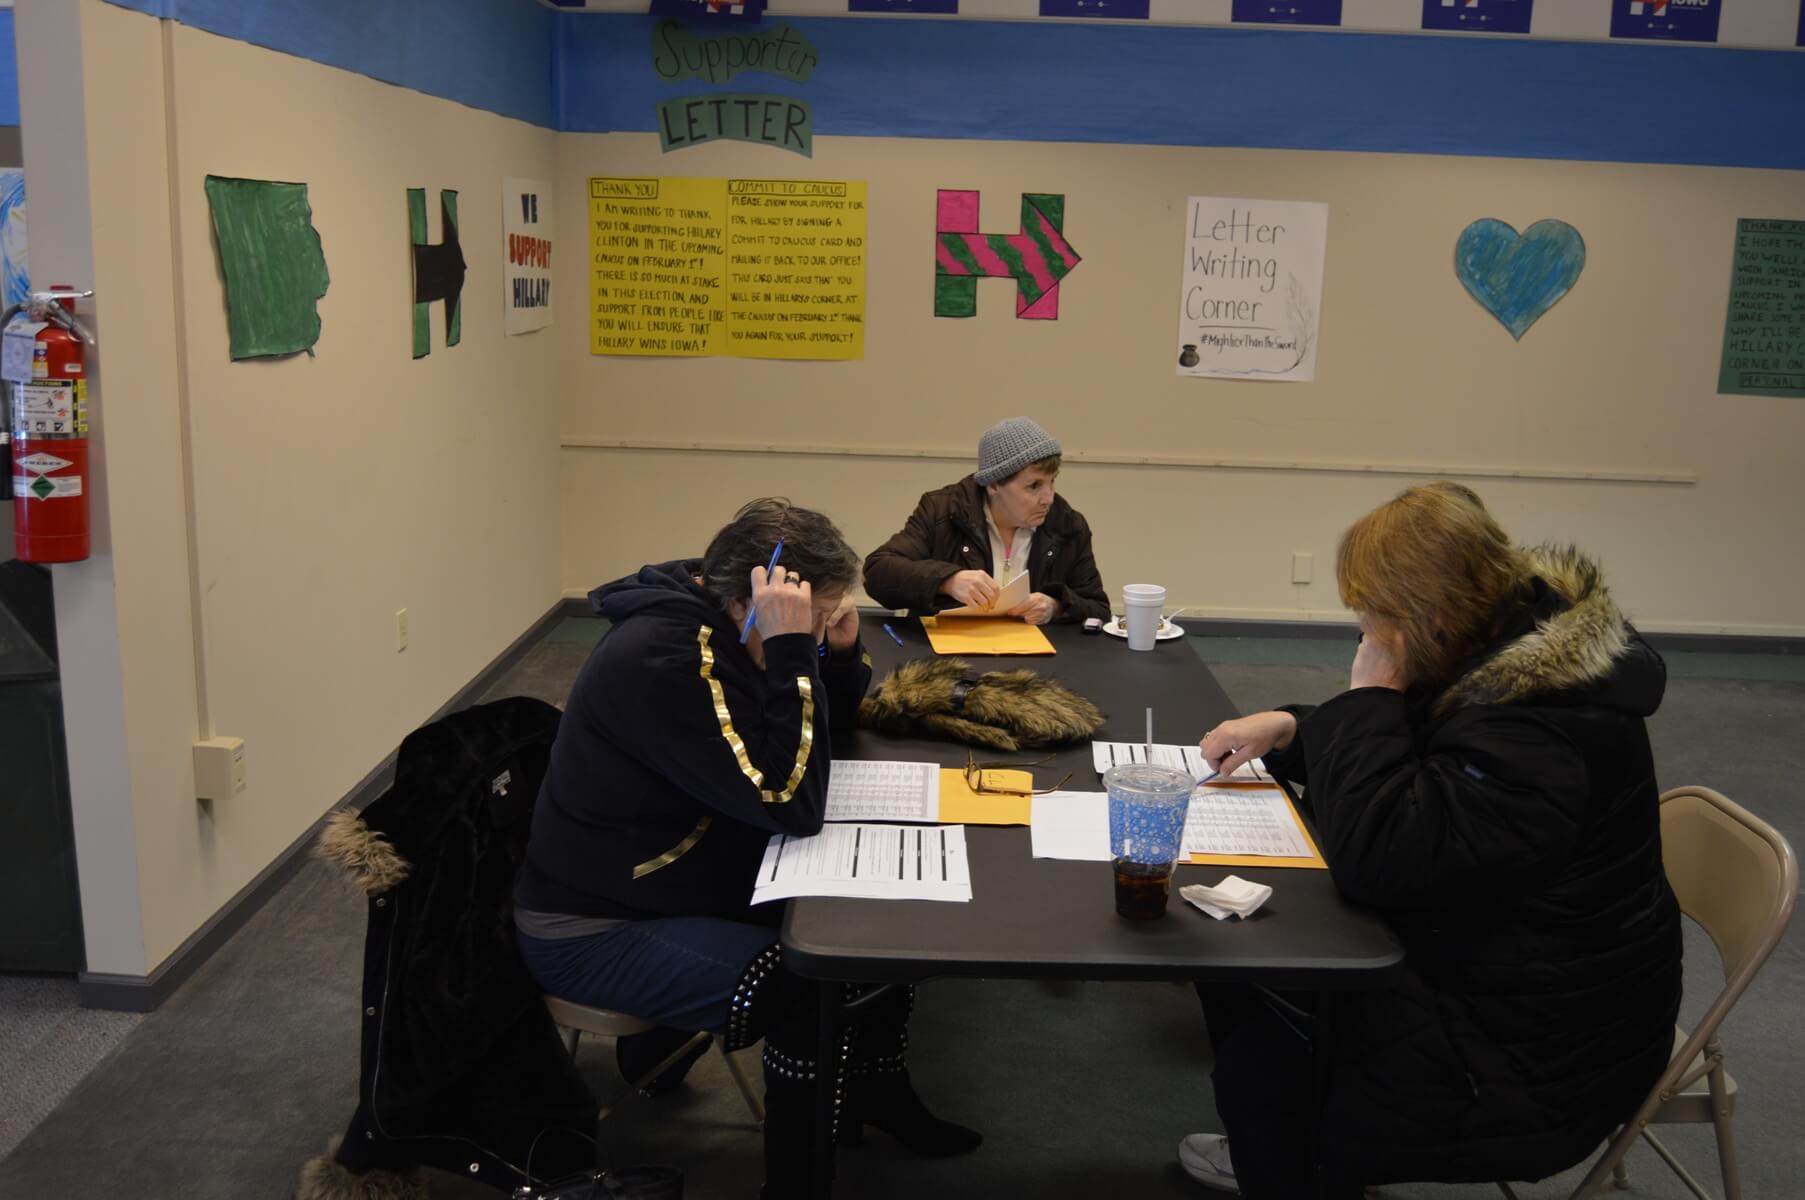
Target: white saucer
[1167, 629]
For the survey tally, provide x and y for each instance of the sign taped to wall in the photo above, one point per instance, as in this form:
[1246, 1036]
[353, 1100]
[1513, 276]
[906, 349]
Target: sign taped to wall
[1252, 288]
[526, 277]
[752, 268]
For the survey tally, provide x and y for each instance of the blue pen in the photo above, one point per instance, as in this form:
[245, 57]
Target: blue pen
[892, 634]
[752, 609]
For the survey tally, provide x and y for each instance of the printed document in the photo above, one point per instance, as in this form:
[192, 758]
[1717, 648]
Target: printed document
[1071, 825]
[1186, 758]
[1013, 594]
[1244, 821]
[876, 862]
[859, 790]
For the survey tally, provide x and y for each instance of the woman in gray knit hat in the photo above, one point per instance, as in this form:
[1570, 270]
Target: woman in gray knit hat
[966, 541]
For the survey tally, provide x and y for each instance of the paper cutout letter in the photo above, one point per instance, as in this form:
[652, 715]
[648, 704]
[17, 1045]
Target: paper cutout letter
[1037, 258]
[781, 121]
[438, 269]
[274, 267]
[1518, 278]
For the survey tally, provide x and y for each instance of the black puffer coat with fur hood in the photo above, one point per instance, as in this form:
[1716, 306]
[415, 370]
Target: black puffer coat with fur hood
[1508, 827]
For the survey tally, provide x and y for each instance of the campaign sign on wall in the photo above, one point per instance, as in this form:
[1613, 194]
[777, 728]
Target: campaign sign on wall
[526, 277]
[1252, 288]
[1120, 10]
[1666, 20]
[938, 7]
[1477, 16]
[1286, 12]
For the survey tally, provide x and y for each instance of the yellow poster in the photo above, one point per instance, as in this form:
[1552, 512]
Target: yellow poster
[756, 268]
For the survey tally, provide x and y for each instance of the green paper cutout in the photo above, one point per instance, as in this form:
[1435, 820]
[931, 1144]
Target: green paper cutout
[274, 265]
[1764, 330]
[779, 49]
[780, 121]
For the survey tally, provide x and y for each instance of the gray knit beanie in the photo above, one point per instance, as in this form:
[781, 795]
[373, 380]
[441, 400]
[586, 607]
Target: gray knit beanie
[1010, 445]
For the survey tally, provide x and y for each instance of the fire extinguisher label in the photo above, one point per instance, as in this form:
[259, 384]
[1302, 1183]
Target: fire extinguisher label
[41, 463]
[47, 408]
[43, 487]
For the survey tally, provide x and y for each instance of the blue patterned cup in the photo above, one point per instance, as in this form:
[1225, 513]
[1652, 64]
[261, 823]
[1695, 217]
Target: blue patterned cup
[1147, 805]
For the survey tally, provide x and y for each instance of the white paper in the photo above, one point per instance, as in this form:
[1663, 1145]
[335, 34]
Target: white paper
[20, 344]
[1105, 755]
[526, 254]
[877, 862]
[1252, 288]
[1072, 825]
[861, 790]
[1243, 821]
[1013, 594]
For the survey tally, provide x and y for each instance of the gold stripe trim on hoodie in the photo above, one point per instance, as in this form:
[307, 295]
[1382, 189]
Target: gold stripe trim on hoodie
[675, 852]
[804, 685]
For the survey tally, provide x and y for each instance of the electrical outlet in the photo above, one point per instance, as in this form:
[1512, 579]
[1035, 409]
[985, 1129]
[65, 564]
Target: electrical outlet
[400, 630]
[219, 768]
[1302, 563]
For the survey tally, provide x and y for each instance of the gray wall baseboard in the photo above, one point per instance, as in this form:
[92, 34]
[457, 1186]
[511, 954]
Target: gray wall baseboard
[144, 993]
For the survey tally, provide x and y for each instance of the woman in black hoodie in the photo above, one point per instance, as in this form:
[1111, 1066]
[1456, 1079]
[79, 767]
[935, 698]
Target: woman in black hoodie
[690, 737]
[1486, 782]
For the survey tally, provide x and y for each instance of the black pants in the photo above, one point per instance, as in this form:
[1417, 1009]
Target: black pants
[1265, 1080]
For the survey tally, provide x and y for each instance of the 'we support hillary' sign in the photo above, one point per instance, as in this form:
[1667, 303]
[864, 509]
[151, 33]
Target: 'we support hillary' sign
[526, 277]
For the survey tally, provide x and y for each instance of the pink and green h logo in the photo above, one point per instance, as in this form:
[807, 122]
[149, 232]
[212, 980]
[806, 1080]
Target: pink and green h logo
[1037, 258]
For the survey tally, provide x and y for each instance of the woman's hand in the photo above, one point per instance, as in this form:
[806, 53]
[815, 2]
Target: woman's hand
[1037, 609]
[783, 602]
[1244, 739]
[975, 588]
[1379, 662]
[842, 626]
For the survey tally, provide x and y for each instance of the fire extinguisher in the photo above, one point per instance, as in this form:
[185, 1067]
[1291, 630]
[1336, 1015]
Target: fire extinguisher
[48, 413]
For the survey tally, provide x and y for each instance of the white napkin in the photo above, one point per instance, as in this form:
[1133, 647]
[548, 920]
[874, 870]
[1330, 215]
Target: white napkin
[1233, 895]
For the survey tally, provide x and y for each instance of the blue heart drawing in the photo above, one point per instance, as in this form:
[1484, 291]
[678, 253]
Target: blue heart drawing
[1518, 278]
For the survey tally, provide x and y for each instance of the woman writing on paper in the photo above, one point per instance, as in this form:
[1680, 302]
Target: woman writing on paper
[967, 541]
[685, 745]
[1486, 782]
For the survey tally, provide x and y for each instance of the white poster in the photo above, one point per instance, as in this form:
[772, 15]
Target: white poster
[526, 224]
[1252, 288]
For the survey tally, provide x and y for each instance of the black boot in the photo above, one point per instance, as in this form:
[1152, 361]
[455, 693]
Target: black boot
[880, 1094]
[790, 1122]
[639, 1052]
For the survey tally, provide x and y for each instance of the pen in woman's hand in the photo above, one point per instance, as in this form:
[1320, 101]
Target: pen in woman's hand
[752, 609]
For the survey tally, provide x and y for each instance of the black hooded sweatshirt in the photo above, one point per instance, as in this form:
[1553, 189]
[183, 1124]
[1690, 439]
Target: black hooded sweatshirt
[1508, 826]
[677, 757]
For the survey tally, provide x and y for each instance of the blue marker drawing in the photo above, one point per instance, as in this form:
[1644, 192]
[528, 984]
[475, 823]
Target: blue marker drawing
[16, 285]
[1516, 277]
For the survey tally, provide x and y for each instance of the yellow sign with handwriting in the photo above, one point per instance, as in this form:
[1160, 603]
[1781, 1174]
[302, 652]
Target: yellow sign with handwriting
[754, 268]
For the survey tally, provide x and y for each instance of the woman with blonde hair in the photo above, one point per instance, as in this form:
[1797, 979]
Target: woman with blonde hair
[1486, 782]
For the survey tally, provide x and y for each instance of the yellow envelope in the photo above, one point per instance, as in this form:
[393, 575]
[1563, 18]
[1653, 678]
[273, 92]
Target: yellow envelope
[1313, 863]
[959, 805]
[986, 635]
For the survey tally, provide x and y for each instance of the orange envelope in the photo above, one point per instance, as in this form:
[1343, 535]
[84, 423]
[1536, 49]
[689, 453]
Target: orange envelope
[1313, 863]
[959, 805]
[985, 635]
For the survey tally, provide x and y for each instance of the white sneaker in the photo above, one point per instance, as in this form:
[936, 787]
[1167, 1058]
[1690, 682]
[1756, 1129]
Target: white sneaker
[1204, 1156]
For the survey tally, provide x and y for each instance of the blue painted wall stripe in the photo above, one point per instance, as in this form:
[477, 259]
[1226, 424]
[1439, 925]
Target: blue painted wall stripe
[1280, 89]
[9, 71]
[488, 54]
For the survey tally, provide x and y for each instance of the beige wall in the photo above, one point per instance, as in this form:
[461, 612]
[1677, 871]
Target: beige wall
[265, 520]
[1618, 378]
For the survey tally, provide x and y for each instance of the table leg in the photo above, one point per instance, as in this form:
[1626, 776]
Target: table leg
[827, 1076]
[1321, 1044]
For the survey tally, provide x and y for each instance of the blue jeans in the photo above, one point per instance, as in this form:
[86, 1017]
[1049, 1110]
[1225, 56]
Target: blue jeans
[679, 972]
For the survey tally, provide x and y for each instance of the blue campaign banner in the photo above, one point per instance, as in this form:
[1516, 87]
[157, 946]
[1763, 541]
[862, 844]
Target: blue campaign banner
[938, 7]
[1286, 12]
[1477, 16]
[1120, 10]
[1666, 20]
[709, 10]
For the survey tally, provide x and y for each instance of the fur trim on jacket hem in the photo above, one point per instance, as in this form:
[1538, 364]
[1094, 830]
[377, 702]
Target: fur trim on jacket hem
[363, 854]
[323, 1177]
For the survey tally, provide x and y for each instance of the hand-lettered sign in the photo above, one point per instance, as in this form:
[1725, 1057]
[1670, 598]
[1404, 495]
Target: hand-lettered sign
[1516, 277]
[1037, 258]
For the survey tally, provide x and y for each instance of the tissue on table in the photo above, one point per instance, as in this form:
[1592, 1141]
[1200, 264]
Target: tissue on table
[1234, 895]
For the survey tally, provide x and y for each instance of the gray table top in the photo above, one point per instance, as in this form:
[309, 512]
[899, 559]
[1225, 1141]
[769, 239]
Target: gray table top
[1043, 918]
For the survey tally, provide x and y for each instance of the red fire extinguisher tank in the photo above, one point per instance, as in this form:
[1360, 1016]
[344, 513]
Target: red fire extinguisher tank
[49, 418]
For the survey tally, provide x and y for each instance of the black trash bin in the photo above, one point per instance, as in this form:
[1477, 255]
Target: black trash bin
[40, 899]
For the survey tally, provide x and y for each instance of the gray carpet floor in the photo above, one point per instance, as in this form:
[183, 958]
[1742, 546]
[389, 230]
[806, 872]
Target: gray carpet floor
[1081, 1089]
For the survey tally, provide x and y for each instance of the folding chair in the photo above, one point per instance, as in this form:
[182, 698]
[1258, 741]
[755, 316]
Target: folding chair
[1737, 877]
[573, 1020]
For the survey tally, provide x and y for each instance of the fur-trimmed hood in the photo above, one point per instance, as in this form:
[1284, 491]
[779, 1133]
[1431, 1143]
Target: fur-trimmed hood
[365, 856]
[1569, 641]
